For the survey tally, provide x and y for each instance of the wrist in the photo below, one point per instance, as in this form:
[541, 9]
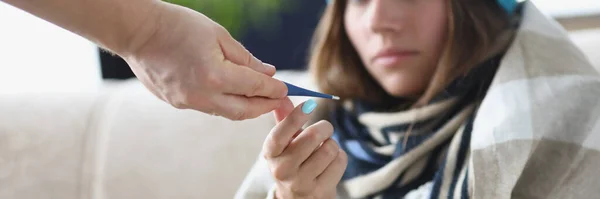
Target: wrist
[138, 29]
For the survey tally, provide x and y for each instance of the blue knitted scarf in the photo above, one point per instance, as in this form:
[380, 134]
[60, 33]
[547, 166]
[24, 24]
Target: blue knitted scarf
[385, 161]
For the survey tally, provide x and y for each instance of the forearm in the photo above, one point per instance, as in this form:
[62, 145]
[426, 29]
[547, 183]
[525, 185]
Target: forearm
[119, 26]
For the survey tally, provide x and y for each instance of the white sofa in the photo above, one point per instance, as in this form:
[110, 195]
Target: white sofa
[121, 142]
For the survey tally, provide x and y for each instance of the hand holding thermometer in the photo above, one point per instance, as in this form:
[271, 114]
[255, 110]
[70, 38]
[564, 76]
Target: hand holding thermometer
[297, 91]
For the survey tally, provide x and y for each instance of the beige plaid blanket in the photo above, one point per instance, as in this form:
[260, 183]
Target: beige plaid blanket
[537, 132]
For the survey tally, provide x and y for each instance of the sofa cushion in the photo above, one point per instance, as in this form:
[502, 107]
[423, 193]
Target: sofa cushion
[122, 142]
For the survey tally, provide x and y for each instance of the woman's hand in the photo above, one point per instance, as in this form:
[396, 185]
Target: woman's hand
[192, 62]
[305, 163]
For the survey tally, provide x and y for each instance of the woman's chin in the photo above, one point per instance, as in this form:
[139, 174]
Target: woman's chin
[411, 93]
[403, 88]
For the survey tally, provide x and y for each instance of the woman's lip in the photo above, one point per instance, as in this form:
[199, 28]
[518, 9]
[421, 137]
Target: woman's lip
[392, 58]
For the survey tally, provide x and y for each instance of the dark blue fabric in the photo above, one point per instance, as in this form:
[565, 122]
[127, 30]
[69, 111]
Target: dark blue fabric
[465, 186]
[462, 151]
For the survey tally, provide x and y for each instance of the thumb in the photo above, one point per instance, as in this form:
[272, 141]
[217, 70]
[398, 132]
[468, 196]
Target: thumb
[284, 110]
[239, 55]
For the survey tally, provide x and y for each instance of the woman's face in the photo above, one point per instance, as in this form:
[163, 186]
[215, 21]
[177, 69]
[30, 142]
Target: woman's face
[399, 41]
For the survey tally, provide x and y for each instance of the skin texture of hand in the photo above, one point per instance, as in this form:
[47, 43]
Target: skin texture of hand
[305, 163]
[180, 55]
[193, 63]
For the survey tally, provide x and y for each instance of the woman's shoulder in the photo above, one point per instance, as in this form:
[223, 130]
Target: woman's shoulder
[545, 88]
[542, 49]
[544, 67]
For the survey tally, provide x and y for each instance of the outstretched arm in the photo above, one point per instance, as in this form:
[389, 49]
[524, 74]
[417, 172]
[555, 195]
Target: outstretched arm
[180, 55]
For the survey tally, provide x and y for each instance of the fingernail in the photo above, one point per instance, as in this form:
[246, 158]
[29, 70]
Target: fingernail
[269, 66]
[309, 106]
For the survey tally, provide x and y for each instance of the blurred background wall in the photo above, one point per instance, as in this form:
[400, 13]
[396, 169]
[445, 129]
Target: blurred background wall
[275, 31]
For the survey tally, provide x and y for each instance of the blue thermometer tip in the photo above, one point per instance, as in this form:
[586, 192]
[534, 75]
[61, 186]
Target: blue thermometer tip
[297, 91]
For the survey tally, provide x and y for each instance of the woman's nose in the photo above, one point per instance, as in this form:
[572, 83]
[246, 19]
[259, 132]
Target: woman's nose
[384, 15]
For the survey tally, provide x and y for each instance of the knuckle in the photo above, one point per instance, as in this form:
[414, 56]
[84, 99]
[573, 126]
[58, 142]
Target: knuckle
[288, 165]
[280, 144]
[273, 146]
[302, 188]
[188, 100]
[330, 150]
[342, 157]
[221, 30]
[248, 59]
[312, 136]
[317, 134]
[335, 145]
[239, 115]
[281, 173]
[295, 121]
[257, 87]
[325, 128]
[178, 104]
[283, 90]
[214, 80]
[296, 188]
[266, 153]
[251, 114]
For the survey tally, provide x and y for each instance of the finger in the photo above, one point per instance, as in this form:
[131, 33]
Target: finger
[282, 134]
[320, 159]
[308, 141]
[284, 110]
[244, 81]
[237, 108]
[334, 172]
[235, 52]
